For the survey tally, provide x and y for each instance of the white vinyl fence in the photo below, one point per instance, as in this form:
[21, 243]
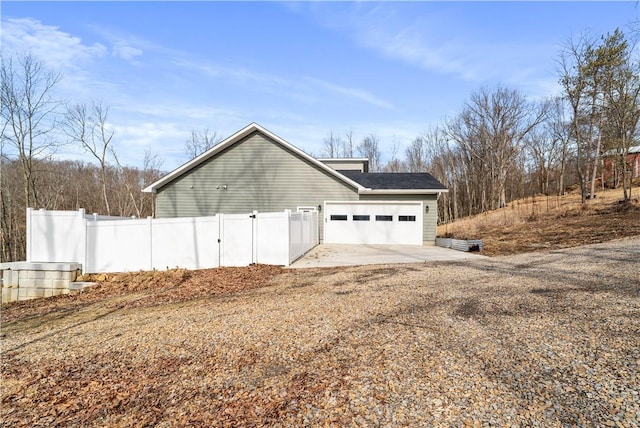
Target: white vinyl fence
[120, 244]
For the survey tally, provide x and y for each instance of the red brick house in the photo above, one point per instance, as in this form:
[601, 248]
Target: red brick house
[611, 171]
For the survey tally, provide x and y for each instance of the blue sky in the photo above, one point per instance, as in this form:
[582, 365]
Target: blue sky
[299, 69]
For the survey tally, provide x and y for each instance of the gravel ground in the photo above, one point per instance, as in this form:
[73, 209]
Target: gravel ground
[541, 339]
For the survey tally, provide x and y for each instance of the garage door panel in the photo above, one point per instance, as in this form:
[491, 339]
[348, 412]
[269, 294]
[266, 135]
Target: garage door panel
[373, 223]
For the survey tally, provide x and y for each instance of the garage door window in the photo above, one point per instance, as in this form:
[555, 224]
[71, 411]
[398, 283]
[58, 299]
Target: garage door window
[338, 217]
[384, 218]
[361, 217]
[406, 218]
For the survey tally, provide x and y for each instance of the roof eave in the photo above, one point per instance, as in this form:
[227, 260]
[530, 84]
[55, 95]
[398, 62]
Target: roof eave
[343, 160]
[369, 191]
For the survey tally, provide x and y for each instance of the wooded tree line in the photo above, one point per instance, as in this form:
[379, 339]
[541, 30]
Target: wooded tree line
[502, 146]
[68, 185]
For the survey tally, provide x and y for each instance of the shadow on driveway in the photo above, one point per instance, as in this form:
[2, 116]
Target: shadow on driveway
[330, 255]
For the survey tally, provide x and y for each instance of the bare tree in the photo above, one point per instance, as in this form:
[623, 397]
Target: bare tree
[415, 155]
[88, 127]
[29, 113]
[151, 171]
[200, 142]
[442, 161]
[559, 128]
[348, 144]
[12, 212]
[130, 181]
[331, 145]
[490, 134]
[394, 164]
[547, 148]
[369, 148]
[572, 61]
[587, 73]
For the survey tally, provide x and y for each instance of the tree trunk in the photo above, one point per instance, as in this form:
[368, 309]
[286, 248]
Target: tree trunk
[596, 158]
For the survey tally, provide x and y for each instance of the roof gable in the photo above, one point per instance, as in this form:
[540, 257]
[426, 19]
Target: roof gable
[236, 138]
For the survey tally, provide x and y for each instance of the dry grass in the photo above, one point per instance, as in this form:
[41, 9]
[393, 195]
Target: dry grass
[550, 222]
[135, 289]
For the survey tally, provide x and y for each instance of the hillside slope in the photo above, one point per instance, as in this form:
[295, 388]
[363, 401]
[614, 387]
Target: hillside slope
[550, 222]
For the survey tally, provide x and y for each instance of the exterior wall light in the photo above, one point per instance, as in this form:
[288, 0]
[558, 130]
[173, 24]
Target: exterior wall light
[427, 209]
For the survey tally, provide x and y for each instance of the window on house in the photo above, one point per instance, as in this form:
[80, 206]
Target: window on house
[361, 217]
[384, 218]
[406, 218]
[338, 217]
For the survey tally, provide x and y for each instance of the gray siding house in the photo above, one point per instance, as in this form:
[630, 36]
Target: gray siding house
[255, 169]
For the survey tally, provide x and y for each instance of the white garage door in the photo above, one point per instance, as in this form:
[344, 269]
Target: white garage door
[373, 223]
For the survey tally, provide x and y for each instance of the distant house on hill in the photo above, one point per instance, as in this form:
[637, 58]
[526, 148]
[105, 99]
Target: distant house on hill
[611, 168]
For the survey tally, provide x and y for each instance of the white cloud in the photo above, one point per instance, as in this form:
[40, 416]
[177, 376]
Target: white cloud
[144, 133]
[126, 52]
[419, 41]
[428, 38]
[189, 115]
[48, 43]
[354, 93]
[233, 73]
[124, 45]
[60, 49]
[60, 52]
[303, 89]
[164, 138]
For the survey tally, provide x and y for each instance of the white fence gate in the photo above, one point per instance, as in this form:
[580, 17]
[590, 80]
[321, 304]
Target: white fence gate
[118, 244]
[236, 231]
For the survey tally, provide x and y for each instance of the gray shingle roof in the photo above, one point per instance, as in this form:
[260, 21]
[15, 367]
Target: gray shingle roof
[394, 180]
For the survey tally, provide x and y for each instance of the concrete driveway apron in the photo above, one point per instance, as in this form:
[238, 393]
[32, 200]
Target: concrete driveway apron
[330, 255]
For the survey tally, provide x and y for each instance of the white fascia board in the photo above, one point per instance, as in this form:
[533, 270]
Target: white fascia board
[368, 191]
[343, 160]
[249, 129]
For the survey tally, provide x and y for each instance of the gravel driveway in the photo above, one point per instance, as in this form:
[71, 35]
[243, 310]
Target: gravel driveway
[541, 339]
